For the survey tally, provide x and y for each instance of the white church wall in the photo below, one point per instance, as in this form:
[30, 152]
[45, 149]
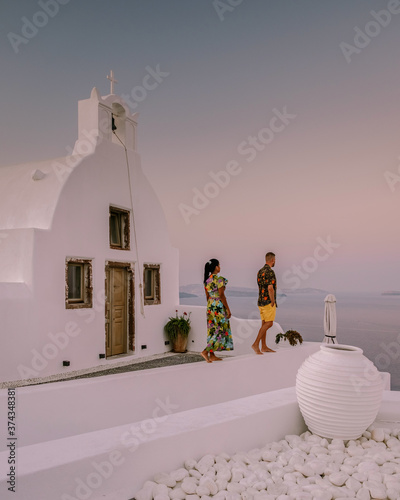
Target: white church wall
[16, 247]
[80, 229]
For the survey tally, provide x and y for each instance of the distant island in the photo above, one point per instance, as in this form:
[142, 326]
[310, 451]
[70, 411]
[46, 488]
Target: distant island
[304, 291]
[197, 290]
[185, 295]
[393, 292]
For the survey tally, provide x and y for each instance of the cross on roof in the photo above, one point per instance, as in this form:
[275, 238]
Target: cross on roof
[112, 81]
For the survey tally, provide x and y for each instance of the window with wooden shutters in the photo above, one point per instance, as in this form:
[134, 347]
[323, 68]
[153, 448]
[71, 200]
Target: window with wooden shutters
[151, 280]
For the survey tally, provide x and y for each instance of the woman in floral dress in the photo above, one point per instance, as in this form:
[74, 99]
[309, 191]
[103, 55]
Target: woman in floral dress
[219, 336]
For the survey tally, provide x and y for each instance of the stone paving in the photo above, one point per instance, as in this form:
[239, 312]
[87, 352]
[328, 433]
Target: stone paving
[175, 359]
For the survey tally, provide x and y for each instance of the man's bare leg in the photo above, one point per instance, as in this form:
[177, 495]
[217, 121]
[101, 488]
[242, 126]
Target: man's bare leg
[261, 332]
[264, 347]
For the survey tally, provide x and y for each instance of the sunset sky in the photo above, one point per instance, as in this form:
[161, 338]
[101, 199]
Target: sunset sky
[275, 125]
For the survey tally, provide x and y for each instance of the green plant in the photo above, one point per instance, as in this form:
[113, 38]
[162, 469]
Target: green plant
[178, 325]
[291, 336]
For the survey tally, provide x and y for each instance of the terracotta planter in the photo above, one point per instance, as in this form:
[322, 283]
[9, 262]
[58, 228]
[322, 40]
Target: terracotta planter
[180, 343]
[339, 391]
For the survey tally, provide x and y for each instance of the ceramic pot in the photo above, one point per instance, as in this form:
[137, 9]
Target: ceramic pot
[180, 343]
[339, 391]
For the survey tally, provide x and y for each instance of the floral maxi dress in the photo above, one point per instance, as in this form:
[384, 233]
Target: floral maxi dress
[219, 336]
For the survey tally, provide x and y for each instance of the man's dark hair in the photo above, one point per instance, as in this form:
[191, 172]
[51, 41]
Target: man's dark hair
[269, 255]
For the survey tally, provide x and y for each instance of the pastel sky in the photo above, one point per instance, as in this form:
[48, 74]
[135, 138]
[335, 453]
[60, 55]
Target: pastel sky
[297, 103]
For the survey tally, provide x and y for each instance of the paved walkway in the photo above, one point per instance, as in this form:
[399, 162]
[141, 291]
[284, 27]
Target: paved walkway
[168, 360]
[156, 361]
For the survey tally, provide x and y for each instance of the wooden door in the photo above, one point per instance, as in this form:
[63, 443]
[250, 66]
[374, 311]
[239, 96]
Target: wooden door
[116, 311]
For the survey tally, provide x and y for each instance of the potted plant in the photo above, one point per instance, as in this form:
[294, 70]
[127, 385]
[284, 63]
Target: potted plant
[291, 336]
[177, 330]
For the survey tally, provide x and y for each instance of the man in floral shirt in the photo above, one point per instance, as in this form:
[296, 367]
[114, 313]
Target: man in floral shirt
[266, 280]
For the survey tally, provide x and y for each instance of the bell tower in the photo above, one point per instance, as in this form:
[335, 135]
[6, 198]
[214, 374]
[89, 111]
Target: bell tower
[107, 118]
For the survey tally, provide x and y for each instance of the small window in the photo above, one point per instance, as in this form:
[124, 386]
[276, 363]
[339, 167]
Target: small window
[119, 229]
[78, 283]
[152, 287]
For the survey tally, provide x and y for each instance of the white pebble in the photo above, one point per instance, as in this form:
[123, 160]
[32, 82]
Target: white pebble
[177, 494]
[338, 478]
[205, 463]
[363, 494]
[360, 476]
[353, 484]
[236, 487]
[211, 485]
[179, 474]
[160, 489]
[392, 494]
[306, 470]
[367, 467]
[393, 443]
[317, 466]
[193, 473]
[348, 469]
[166, 479]
[355, 451]
[189, 486]
[277, 489]
[322, 495]
[269, 455]
[202, 490]
[190, 463]
[377, 490]
[378, 434]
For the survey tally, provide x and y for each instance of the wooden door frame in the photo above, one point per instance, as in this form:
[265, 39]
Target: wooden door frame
[129, 266]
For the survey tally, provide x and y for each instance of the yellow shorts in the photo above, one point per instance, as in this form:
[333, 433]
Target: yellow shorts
[267, 312]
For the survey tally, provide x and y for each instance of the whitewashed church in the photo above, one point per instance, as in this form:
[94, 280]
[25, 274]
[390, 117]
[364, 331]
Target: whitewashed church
[88, 275]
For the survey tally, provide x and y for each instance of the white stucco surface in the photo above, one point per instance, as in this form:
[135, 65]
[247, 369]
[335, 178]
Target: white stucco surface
[114, 463]
[58, 209]
[85, 405]
[54, 468]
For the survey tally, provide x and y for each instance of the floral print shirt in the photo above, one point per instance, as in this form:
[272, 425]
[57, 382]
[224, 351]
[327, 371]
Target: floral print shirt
[265, 277]
[213, 284]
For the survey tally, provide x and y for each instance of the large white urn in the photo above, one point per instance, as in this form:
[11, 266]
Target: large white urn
[339, 391]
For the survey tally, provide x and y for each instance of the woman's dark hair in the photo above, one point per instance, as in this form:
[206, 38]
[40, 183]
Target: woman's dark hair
[210, 268]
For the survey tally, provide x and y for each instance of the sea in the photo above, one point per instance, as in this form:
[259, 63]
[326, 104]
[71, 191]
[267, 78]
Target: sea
[370, 321]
